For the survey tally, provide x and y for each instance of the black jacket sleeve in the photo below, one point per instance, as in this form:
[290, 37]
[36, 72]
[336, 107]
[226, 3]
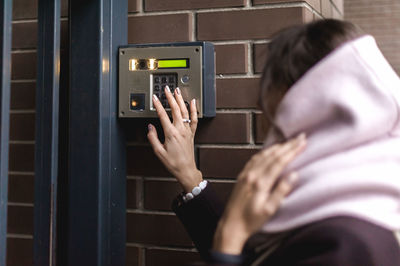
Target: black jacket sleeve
[200, 217]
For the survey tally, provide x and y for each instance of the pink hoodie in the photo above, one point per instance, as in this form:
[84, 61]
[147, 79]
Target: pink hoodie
[348, 105]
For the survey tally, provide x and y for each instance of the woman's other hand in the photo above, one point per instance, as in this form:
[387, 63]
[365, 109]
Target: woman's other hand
[257, 195]
[177, 152]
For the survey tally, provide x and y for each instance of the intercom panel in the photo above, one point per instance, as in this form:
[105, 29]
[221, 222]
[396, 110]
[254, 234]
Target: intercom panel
[145, 70]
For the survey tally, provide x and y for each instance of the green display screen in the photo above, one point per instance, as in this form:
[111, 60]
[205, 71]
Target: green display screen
[173, 63]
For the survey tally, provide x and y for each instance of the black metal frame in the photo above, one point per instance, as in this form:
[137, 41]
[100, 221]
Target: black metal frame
[95, 228]
[46, 146]
[97, 175]
[5, 66]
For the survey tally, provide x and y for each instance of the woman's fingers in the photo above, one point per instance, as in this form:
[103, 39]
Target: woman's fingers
[266, 166]
[282, 157]
[181, 103]
[162, 114]
[175, 110]
[280, 192]
[157, 146]
[193, 116]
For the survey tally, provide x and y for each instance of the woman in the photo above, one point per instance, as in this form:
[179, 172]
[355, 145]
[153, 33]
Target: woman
[328, 81]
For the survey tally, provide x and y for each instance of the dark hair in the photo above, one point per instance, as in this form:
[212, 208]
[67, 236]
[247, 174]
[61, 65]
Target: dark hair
[294, 50]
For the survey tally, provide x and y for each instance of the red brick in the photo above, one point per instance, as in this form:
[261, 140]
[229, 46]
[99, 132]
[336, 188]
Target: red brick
[247, 24]
[223, 162]
[158, 195]
[22, 126]
[23, 9]
[326, 9]
[19, 252]
[157, 257]
[20, 220]
[137, 131]
[21, 157]
[156, 229]
[24, 35]
[23, 95]
[141, 161]
[156, 5]
[260, 56]
[21, 188]
[224, 128]
[23, 65]
[261, 128]
[315, 4]
[64, 8]
[133, 257]
[160, 28]
[134, 6]
[378, 19]
[238, 92]
[132, 197]
[231, 58]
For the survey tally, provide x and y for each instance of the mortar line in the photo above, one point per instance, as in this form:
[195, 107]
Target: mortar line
[33, 20]
[173, 179]
[20, 236]
[250, 58]
[252, 131]
[194, 26]
[149, 246]
[22, 111]
[154, 212]
[23, 80]
[23, 51]
[231, 147]
[140, 194]
[223, 9]
[21, 173]
[24, 142]
[19, 204]
[238, 76]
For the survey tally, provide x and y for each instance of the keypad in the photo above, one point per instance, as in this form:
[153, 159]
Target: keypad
[159, 83]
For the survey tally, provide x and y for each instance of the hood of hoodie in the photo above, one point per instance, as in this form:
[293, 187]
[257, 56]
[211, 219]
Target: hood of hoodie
[348, 105]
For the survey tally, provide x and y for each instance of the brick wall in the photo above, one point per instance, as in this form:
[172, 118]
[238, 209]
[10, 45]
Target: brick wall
[381, 19]
[240, 30]
[22, 130]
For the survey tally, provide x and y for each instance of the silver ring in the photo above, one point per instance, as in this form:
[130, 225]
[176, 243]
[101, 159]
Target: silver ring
[184, 120]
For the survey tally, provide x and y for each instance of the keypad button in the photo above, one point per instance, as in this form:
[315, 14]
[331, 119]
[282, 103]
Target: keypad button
[163, 80]
[156, 80]
[171, 79]
[185, 79]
